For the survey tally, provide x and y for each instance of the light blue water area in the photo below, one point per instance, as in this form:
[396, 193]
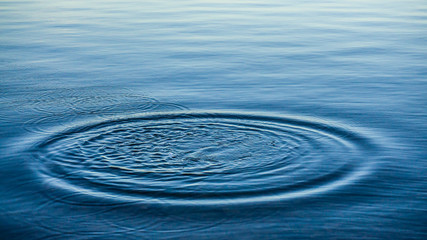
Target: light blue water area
[213, 119]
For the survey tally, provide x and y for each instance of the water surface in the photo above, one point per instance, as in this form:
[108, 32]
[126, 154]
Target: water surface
[213, 120]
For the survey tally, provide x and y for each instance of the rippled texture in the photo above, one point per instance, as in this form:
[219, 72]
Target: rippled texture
[202, 158]
[213, 119]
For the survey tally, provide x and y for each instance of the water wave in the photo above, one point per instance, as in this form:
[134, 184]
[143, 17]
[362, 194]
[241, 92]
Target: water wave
[62, 107]
[202, 158]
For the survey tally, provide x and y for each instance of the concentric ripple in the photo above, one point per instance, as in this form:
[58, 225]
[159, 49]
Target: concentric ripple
[63, 106]
[203, 158]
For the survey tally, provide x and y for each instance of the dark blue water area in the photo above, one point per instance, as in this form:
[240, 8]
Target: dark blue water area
[213, 119]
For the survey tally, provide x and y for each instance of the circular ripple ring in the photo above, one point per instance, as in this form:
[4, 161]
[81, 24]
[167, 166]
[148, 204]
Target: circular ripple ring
[203, 158]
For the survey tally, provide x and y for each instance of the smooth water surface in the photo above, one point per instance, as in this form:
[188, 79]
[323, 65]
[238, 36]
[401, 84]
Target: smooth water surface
[213, 119]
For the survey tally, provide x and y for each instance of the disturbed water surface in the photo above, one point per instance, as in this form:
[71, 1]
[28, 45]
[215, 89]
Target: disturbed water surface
[213, 120]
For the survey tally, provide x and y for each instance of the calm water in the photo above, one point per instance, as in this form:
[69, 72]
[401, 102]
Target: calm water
[213, 120]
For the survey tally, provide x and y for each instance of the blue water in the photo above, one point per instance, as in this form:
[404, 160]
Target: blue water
[213, 119]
